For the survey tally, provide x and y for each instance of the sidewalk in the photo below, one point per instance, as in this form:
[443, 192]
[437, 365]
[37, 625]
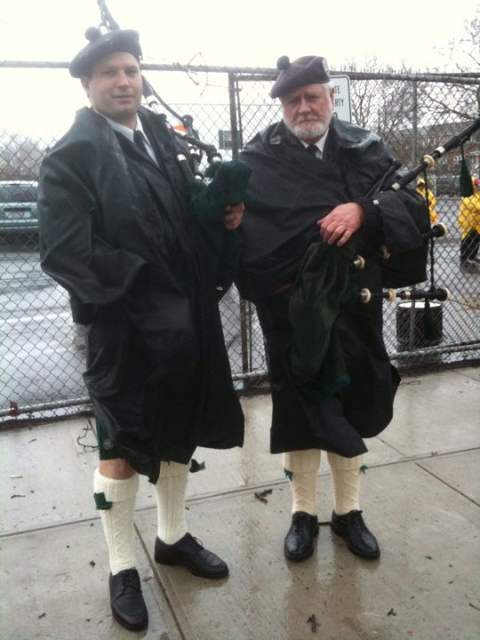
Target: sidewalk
[421, 495]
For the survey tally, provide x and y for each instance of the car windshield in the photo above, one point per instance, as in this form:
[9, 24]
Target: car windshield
[18, 193]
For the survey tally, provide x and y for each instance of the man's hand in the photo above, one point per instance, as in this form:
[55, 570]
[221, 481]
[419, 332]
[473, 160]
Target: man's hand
[233, 216]
[341, 223]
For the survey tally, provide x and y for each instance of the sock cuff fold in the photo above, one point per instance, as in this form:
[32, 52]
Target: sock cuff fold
[169, 469]
[307, 461]
[115, 490]
[341, 462]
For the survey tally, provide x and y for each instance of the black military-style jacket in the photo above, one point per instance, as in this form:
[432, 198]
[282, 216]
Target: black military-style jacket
[313, 325]
[117, 231]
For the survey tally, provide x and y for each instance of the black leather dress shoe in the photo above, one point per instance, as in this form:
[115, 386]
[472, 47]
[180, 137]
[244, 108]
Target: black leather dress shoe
[299, 541]
[352, 528]
[189, 553]
[126, 600]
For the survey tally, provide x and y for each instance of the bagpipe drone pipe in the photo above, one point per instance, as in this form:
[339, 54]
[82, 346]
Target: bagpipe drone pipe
[229, 179]
[430, 235]
[420, 309]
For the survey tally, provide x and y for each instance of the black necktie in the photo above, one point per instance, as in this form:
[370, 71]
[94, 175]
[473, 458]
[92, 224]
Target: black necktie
[313, 150]
[139, 140]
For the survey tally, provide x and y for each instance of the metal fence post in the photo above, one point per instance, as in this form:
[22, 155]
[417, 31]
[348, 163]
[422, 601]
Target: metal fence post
[414, 122]
[412, 327]
[245, 311]
[232, 89]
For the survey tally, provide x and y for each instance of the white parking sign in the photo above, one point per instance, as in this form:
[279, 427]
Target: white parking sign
[341, 97]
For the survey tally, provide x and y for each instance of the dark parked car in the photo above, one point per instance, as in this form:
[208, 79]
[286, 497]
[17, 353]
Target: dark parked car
[18, 206]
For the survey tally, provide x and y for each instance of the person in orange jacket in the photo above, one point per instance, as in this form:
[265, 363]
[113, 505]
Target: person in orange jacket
[432, 201]
[469, 222]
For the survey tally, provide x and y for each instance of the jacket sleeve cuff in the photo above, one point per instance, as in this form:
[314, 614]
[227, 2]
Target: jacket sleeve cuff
[371, 209]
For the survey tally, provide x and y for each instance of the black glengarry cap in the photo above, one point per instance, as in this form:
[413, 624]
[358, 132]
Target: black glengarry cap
[300, 72]
[100, 45]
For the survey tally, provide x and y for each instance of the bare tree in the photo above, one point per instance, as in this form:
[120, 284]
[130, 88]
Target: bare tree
[379, 103]
[414, 114]
[384, 104]
[462, 101]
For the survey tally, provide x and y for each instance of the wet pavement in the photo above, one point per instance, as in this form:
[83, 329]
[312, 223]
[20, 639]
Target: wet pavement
[420, 495]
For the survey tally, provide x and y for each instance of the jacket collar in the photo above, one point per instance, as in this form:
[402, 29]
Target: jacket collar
[346, 135]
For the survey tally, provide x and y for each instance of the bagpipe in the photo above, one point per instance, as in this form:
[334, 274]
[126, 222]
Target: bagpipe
[328, 281]
[435, 231]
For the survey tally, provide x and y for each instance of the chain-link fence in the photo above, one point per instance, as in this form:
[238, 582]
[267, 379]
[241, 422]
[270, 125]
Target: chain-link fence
[41, 351]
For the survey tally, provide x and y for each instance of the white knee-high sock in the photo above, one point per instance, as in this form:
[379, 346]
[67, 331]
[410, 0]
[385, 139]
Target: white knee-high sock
[303, 467]
[346, 482]
[170, 494]
[117, 518]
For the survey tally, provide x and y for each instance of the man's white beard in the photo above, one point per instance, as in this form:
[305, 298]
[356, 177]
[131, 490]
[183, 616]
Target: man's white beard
[309, 132]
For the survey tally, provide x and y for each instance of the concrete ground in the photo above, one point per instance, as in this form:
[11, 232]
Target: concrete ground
[421, 495]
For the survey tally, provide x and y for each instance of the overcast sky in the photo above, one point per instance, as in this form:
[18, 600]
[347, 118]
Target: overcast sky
[250, 32]
[247, 33]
